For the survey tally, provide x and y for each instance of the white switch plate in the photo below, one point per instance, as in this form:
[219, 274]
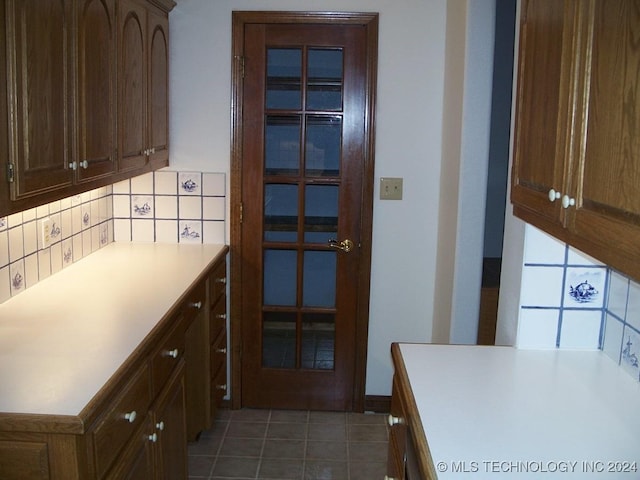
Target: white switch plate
[390, 188]
[45, 232]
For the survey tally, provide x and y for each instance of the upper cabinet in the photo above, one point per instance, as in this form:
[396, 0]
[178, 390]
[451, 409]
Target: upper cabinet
[96, 126]
[143, 86]
[83, 95]
[576, 170]
[39, 96]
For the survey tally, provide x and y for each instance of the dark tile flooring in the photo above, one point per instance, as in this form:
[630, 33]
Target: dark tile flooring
[284, 444]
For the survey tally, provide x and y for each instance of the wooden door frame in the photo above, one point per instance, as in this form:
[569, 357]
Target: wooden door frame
[239, 19]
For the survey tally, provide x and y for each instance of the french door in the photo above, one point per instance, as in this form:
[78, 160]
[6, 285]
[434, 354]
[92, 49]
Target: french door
[305, 182]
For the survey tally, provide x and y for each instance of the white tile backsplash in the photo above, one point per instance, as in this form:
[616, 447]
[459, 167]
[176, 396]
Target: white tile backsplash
[591, 307]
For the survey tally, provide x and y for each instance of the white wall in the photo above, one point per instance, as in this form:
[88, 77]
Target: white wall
[409, 144]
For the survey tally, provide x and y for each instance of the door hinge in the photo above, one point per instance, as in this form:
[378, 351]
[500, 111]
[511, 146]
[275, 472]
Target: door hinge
[241, 211]
[10, 173]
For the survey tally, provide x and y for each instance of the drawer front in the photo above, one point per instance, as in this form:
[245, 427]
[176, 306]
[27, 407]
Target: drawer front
[218, 353]
[218, 320]
[123, 418]
[218, 386]
[168, 355]
[195, 302]
[218, 281]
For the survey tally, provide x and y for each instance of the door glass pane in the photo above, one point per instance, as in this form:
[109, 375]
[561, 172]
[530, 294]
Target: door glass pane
[324, 82]
[319, 279]
[280, 267]
[282, 145]
[284, 71]
[323, 146]
[280, 213]
[318, 341]
[279, 340]
[320, 213]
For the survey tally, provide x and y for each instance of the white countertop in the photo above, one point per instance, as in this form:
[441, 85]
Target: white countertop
[494, 412]
[63, 338]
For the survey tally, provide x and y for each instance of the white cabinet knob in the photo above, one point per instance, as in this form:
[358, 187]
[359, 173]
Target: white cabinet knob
[395, 420]
[172, 353]
[221, 387]
[153, 437]
[221, 350]
[160, 425]
[567, 201]
[553, 195]
[84, 164]
[131, 416]
[222, 280]
[221, 316]
[197, 305]
[73, 165]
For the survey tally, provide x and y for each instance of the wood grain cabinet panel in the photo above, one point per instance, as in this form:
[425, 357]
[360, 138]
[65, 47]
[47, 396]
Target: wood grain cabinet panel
[84, 95]
[40, 96]
[576, 165]
[25, 459]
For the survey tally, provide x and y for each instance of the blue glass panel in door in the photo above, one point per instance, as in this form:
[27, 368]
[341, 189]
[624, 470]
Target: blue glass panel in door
[320, 213]
[324, 79]
[280, 274]
[279, 340]
[284, 73]
[280, 213]
[282, 145]
[319, 279]
[323, 146]
[318, 340]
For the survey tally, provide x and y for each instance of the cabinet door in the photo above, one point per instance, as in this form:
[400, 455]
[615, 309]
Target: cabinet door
[96, 89]
[169, 415]
[136, 462]
[158, 109]
[40, 95]
[132, 85]
[543, 106]
[608, 197]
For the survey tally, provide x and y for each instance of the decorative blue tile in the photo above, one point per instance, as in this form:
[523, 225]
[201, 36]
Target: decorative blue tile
[142, 206]
[3, 223]
[189, 183]
[584, 287]
[17, 280]
[630, 357]
[190, 232]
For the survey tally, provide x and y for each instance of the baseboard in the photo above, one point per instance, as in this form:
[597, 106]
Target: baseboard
[377, 403]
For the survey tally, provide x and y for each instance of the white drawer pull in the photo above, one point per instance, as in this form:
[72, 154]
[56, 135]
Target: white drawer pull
[553, 195]
[172, 353]
[221, 350]
[568, 201]
[395, 420]
[221, 316]
[197, 305]
[131, 416]
[222, 280]
[153, 437]
[160, 426]
[221, 387]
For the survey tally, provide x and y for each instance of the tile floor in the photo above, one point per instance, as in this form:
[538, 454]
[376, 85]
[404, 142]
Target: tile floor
[283, 444]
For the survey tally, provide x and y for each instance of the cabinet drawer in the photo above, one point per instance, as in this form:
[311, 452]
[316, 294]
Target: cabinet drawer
[218, 320]
[168, 355]
[218, 386]
[218, 281]
[218, 353]
[195, 302]
[123, 418]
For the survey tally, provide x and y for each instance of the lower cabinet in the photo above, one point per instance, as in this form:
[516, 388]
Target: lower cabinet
[139, 425]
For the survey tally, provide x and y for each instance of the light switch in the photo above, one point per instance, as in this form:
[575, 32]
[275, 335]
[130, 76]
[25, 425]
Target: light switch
[390, 188]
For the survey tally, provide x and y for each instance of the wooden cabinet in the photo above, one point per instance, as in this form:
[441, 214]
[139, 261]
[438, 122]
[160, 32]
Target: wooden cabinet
[96, 95]
[39, 93]
[84, 95]
[576, 170]
[206, 350]
[218, 336]
[143, 86]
